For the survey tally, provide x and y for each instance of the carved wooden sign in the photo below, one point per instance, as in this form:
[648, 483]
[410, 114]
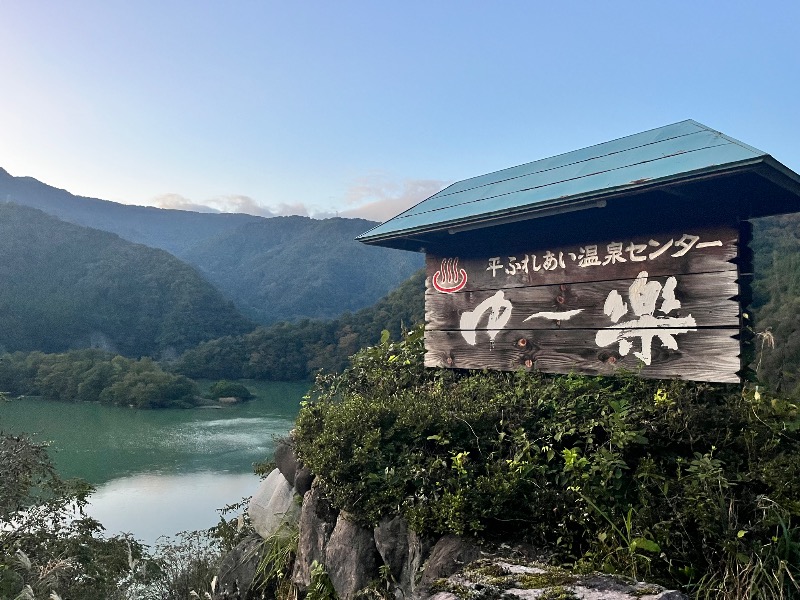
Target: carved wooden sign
[663, 305]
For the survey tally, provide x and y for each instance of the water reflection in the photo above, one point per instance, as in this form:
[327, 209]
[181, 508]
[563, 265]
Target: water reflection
[150, 505]
[160, 471]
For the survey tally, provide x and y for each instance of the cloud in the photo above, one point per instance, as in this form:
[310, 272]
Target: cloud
[241, 204]
[379, 198]
[375, 197]
[178, 202]
[234, 203]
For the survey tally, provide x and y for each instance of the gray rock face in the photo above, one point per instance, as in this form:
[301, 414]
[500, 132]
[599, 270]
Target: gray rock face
[238, 568]
[273, 505]
[403, 551]
[419, 548]
[450, 554]
[317, 520]
[303, 479]
[351, 557]
[391, 540]
[286, 460]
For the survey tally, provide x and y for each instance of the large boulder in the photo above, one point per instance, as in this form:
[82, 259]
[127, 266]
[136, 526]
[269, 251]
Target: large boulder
[351, 557]
[317, 520]
[450, 554]
[274, 505]
[285, 459]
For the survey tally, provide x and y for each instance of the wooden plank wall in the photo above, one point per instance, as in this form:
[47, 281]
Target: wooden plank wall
[664, 305]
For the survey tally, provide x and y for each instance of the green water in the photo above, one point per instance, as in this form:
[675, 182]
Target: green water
[161, 471]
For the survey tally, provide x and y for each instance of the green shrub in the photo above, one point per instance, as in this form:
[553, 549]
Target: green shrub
[229, 389]
[666, 479]
[47, 544]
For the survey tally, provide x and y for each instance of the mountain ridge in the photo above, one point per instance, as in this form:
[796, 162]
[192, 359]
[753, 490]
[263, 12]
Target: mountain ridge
[231, 251]
[65, 286]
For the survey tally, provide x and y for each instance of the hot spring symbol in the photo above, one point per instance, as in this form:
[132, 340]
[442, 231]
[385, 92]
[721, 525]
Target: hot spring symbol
[449, 278]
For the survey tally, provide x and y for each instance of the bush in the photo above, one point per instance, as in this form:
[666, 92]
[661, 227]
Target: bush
[229, 389]
[47, 544]
[686, 483]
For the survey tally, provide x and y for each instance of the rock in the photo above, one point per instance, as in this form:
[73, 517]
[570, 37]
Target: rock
[286, 460]
[317, 520]
[419, 548]
[450, 554]
[238, 568]
[351, 557]
[494, 577]
[303, 479]
[273, 505]
[391, 540]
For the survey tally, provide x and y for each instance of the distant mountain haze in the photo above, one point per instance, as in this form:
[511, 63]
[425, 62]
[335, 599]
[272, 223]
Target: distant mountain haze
[273, 269]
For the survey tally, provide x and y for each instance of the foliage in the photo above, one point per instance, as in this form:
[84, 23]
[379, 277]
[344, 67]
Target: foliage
[776, 302]
[229, 389]
[227, 533]
[95, 376]
[294, 268]
[274, 570]
[664, 479]
[321, 587]
[272, 268]
[47, 543]
[73, 287]
[296, 351]
[183, 566]
[49, 546]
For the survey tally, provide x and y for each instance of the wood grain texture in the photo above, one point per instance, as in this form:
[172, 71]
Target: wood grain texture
[703, 355]
[708, 297]
[566, 261]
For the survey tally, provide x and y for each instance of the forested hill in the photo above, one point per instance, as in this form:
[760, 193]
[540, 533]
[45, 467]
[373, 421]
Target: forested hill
[290, 268]
[64, 286]
[294, 351]
[273, 269]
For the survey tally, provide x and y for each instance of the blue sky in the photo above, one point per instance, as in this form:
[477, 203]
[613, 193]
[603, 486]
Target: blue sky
[364, 108]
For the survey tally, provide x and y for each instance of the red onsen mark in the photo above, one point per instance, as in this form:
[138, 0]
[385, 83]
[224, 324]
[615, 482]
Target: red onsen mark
[449, 278]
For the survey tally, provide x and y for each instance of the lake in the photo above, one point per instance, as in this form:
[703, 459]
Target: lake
[161, 471]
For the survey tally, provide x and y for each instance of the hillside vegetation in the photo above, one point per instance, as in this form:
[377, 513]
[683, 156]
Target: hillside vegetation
[688, 484]
[776, 303]
[65, 286]
[290, 268]
[295, 351]
[273, 269]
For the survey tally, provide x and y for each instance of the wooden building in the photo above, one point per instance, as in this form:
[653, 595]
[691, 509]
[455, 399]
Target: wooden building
[629, 253]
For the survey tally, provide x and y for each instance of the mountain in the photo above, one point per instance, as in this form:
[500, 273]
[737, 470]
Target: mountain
[295, 351]
[64, 286]
[272, 268]
[172, 230]
[289, 268]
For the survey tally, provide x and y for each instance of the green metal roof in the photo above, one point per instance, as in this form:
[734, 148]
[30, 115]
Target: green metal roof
[575, 180]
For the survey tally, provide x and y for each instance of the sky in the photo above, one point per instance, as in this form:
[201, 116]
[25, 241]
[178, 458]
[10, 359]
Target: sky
[364, 108]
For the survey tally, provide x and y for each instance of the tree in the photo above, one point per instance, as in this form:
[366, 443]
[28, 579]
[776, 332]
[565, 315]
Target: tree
[47, 543]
